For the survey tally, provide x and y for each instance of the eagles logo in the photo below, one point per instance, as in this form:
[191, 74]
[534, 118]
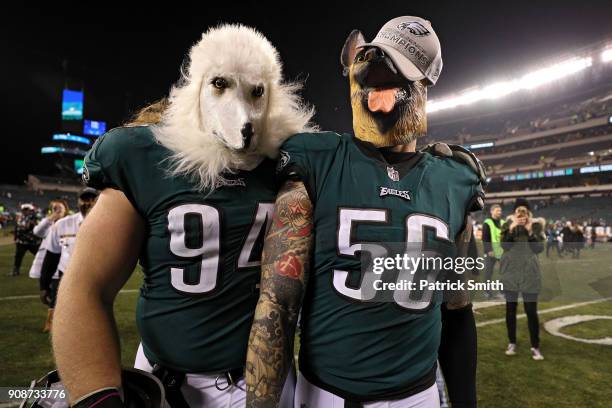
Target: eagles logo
[239, 182]
[388, 191]
[283, 160]
[414, 27]
[85, 175]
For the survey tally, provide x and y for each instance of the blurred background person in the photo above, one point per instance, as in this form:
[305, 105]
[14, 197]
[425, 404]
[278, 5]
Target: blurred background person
[491, 242]
[593, 234]
[25, 240]
[552, 240]
[578, 240]
[522, 240]
[567, 237]
[59, 245]
[58, 209]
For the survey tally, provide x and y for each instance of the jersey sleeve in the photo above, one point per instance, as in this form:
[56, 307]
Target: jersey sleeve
[468, 180]
[293, 159]
[114, 161]
[305, 157]
[478, 198]
[42, 228]
[52, 241]
[100, 165]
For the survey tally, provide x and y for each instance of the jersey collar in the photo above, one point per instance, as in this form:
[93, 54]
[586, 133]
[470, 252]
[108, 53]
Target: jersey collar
[373, 153]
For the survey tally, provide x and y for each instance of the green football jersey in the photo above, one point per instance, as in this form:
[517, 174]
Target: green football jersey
[202, 252]
[357, 342]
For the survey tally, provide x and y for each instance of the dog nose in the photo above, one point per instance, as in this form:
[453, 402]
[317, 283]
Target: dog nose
[247, 134]
[373, 54]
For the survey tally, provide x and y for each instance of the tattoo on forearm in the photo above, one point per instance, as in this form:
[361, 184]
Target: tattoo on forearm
[285, 262]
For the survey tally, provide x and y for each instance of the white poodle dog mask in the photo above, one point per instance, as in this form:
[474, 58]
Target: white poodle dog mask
[231, 107]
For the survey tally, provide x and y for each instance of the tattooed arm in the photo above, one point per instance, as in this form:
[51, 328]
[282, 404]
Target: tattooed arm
[285, 262]
[457, 353]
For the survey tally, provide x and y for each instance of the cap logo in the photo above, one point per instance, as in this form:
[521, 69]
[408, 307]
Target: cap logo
[414, 27]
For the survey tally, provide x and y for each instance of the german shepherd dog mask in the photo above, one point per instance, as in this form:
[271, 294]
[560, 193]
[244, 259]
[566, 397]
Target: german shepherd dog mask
[388, 109]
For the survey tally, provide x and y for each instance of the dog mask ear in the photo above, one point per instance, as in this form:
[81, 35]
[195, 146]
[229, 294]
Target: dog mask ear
[349, 50]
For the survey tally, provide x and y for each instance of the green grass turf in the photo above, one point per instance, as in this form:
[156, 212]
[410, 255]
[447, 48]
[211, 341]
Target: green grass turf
[593, 329]
[572, 375]
[25, 351]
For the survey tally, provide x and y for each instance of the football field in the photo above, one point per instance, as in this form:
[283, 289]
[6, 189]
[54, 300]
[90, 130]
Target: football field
[576, 372]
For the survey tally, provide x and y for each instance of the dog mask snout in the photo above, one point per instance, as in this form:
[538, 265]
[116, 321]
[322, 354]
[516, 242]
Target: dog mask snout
[247, 134]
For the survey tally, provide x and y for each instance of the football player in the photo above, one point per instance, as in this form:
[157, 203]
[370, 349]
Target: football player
[189, 199]
[348, 196]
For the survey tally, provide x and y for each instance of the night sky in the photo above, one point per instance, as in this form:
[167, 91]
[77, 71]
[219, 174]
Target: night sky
[125, 58]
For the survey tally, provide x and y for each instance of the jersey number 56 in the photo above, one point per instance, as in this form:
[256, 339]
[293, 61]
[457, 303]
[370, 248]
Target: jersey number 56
[415, 226]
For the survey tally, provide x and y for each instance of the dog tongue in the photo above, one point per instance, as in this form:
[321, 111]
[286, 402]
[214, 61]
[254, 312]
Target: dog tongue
[382, 100]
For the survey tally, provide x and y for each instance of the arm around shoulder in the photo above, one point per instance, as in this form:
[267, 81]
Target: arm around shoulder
[285, 263]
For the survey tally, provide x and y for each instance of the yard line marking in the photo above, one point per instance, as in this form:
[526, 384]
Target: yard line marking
[37, 296]
[545, 311]
[487, 303]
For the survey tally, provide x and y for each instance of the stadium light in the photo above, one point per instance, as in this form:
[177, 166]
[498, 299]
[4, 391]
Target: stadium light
[606, 55]
[71, 138]
[529, 81]
[557, 71]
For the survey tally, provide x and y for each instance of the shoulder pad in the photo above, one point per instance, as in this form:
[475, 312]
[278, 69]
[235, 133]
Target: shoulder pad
[314, 140]
[460, 154]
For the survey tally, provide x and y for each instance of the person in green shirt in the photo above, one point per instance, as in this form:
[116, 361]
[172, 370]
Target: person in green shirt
[491, 242]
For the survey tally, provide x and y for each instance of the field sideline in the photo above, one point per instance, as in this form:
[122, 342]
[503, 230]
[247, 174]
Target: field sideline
[572, 375]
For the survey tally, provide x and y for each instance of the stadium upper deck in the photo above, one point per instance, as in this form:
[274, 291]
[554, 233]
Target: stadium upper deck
[551, 141]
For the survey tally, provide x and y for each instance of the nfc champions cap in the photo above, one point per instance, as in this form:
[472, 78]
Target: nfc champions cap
[413, 46]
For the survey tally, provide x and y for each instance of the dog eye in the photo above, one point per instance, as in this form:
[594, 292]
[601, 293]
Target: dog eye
[219, 83]
[258, 91]
[359, 57]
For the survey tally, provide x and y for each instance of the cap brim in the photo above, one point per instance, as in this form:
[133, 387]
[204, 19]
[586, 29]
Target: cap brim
[403, 64]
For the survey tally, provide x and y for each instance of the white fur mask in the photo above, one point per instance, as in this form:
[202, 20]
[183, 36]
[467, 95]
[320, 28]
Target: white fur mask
[231, 108]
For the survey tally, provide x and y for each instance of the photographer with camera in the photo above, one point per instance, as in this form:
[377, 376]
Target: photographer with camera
[522, 240]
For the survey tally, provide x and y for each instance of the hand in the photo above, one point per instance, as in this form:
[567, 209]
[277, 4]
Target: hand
[521, 221]
[44, 297]
[56, 214]
[491, 253]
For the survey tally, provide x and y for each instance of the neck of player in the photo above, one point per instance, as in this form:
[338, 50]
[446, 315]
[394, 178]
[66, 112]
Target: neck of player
[404, 148]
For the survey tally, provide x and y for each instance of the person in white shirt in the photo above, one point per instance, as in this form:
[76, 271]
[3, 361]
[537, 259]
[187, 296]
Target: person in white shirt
[59, 245]
[58, 209]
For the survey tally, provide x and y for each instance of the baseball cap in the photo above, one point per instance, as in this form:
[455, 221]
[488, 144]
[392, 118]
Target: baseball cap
[413, 46]
[88, 191]
[27, 206]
